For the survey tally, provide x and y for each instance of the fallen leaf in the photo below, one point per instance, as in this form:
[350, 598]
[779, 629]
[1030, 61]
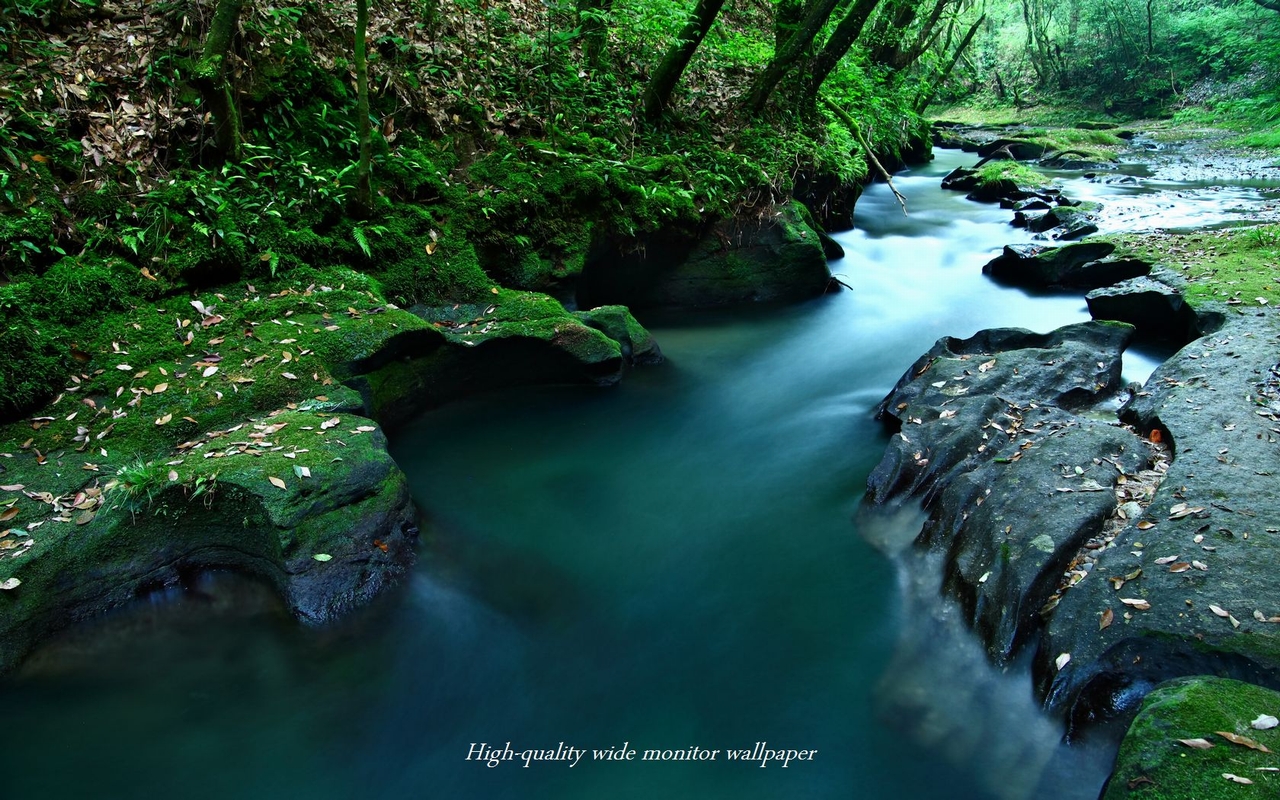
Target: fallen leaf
[1198, 744]
[288, 376]
[302, 472]
[330, 423]
[322, 557]
[209, 371]
[1146, 525]
[85, 518]
[1237, 779]
[10, 585]
[366, 428]
[9, 514]
[13, 487]
[276, 482]
[1166, 560]
[160, 387]
[173, 475]
[124, 367]
[1222, 612]
[1264, 722]
[1134, 602]
[1243, 741]
[381, 545]
[1108, 617]
[1062, 660]
[986, 365]
[1181, 566]
[164, 420]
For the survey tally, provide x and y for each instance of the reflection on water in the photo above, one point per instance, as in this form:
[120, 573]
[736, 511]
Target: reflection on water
[669, 564]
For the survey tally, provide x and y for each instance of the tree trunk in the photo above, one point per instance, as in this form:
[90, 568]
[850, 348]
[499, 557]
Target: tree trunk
[362, 203]
[934, 86]
[901, 59]
[896, 29]
[841, 39]
[210, 78]
[784, 59]
[658, 93]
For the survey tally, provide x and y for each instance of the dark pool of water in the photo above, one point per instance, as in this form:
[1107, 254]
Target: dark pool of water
[671, 563]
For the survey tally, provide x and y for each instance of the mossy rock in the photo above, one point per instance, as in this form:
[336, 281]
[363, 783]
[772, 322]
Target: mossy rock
[772, 255]
[311, 503]
[1154, 765]
[616, 322]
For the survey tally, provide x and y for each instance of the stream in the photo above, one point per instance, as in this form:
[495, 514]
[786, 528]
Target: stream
[668, 564]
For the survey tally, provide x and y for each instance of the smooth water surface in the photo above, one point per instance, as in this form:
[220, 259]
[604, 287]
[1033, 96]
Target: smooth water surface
[671, 563]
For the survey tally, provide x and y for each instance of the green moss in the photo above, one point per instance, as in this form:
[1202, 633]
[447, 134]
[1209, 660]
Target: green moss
[1236, 266]
[1196, 708]
[993, 172]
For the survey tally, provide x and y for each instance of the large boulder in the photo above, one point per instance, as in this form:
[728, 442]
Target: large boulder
[1189, 585]
[773, 255]
[1074, 266]
[1176, 747]
[1153, 304]
[310, 502]
[1013, 482]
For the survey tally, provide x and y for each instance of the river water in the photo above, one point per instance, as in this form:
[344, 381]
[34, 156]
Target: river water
[673, 563]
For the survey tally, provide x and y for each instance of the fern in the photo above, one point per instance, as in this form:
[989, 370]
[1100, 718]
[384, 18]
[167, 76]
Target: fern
[358, 234]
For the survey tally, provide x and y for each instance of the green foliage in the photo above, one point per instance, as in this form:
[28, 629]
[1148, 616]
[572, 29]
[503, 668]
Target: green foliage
[138, 483]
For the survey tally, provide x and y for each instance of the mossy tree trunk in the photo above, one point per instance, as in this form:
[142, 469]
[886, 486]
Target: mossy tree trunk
[893, 28]
[837, 45]
[785, 58]
[904, 57]
[658, 93]
[211, 79]
[362, 202]
[945, 73]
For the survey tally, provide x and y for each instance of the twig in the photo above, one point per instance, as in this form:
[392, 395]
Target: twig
[857, 133]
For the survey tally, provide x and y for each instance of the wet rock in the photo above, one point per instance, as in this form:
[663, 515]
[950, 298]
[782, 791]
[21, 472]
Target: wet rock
[1153, 304]
[1080, 265]
[1153, 759]
[1066, 222]
[769, 256]
[353, 510]
[1020, 149]
[1013, 482]
[616, 322]
[1203, 556]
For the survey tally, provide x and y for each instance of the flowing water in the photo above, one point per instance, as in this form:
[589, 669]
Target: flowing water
[672, 563]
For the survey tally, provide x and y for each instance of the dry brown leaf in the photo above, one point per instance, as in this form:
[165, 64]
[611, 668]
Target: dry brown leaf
[10, 585]
[1222, 612]
[1108, 617]
[1166, 559]
[1198, 744]
[1181, 566]
[330, 423]
[1135, 602]
[209, 371]
[9, 514]
[164, 420]
[1146, 525]
[278, 483]
[13, 487]
[85, 518]
[1237, 779]
[1243, 741]
[160, 387]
